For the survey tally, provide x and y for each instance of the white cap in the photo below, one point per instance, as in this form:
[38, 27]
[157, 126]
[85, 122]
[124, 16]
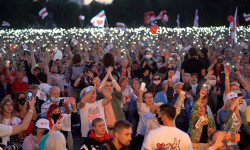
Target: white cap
[42, 124]
[231, 95]
[86, 90]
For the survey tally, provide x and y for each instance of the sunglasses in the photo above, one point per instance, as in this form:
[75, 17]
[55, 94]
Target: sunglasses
[157, 79]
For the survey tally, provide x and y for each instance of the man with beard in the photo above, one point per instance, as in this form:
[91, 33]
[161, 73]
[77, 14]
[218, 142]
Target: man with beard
[122, 137]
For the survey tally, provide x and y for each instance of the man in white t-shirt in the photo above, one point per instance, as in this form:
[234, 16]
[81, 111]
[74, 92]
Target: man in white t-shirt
[167, 136]
[90, 108]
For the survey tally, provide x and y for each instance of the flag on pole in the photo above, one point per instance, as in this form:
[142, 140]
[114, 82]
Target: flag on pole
[5, 24]
[120, 25]
[81, 17]
[233, 26]
[163, 16]
[196, 19]
[99, 19]
[178, 21]
[43, 13]
[246, 16]
[149, 17]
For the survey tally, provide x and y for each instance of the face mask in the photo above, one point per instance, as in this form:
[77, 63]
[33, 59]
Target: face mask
[55, 117]
[236, 91]
[22, 101]
[159, 119]
[194, 82]
[148, 56]
[212, 82]
[157, 82]
[54, 99]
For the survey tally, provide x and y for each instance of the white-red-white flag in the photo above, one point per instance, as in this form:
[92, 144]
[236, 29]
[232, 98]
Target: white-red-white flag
[120, 25]
[5, 24]
[149, 17]
[246, 16]
[43, 13]
[163, 16]
[81, 17]
[196, 19]
[178, 21]
[99, 19]
[233, 26]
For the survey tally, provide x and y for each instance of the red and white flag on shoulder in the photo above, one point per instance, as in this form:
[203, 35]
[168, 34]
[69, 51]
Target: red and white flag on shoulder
[246, 16]
[5, 24]
[120, 25]
[81, 17]
[43, 13]
[163, 16]
[196, 19]
[178, 21]
[99, 19]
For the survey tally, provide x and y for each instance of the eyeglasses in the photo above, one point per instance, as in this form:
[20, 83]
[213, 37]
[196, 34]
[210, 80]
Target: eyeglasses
[157, 79]
[149, 97]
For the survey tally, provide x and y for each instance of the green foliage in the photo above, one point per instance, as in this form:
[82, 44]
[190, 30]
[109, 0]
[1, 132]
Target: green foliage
[64, 13]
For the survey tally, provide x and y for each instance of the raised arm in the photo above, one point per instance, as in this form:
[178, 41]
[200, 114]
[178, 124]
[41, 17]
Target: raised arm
[227, 81]
[85, 98]
[115, 84]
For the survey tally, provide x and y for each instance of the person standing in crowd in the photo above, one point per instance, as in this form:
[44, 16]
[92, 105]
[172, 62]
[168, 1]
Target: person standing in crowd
[5, 87]
[193, 65]
[96, 136]
[75, 69]
[31, 141]
[201, 126]
[113, 111]
[18, 85]
[54, 94]
[168, 136]
[122, 136]
[90, 108]
[9, 130]
[144, 114]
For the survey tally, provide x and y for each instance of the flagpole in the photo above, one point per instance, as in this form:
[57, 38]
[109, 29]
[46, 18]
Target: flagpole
[106, 20]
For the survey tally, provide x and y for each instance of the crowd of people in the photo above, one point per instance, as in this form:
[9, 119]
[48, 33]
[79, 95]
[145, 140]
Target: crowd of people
[182, 88]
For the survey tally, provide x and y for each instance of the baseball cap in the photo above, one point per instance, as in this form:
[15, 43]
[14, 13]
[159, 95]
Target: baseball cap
[231, 95]
[42, 124]
[86, 90]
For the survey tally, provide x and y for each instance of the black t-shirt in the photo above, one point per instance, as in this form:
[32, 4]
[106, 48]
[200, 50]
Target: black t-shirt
[205, 62]
[192, 65]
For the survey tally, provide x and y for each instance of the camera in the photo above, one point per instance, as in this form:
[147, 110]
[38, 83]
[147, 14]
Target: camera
[61, 102]
[186, 87]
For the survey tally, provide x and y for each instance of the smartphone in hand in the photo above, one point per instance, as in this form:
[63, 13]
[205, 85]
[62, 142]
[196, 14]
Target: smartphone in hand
[30, 95]
[143, 86]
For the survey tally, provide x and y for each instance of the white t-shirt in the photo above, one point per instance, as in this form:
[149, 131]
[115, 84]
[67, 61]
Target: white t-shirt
[176, 77]
[5, 132]
[88, 113]
[12, 121]
[169, 138]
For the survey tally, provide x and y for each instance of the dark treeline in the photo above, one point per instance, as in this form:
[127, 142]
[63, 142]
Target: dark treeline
[64, 14]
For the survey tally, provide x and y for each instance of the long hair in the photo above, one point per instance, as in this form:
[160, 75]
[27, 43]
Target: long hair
[52, 107]
[3, 102]
[16, 102]
[56, 141]
[108, 60]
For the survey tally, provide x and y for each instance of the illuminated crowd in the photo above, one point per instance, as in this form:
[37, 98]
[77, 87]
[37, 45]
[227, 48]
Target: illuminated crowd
[180, 88]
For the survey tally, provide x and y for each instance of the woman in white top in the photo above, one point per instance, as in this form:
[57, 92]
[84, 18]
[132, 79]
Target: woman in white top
[7, 116]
